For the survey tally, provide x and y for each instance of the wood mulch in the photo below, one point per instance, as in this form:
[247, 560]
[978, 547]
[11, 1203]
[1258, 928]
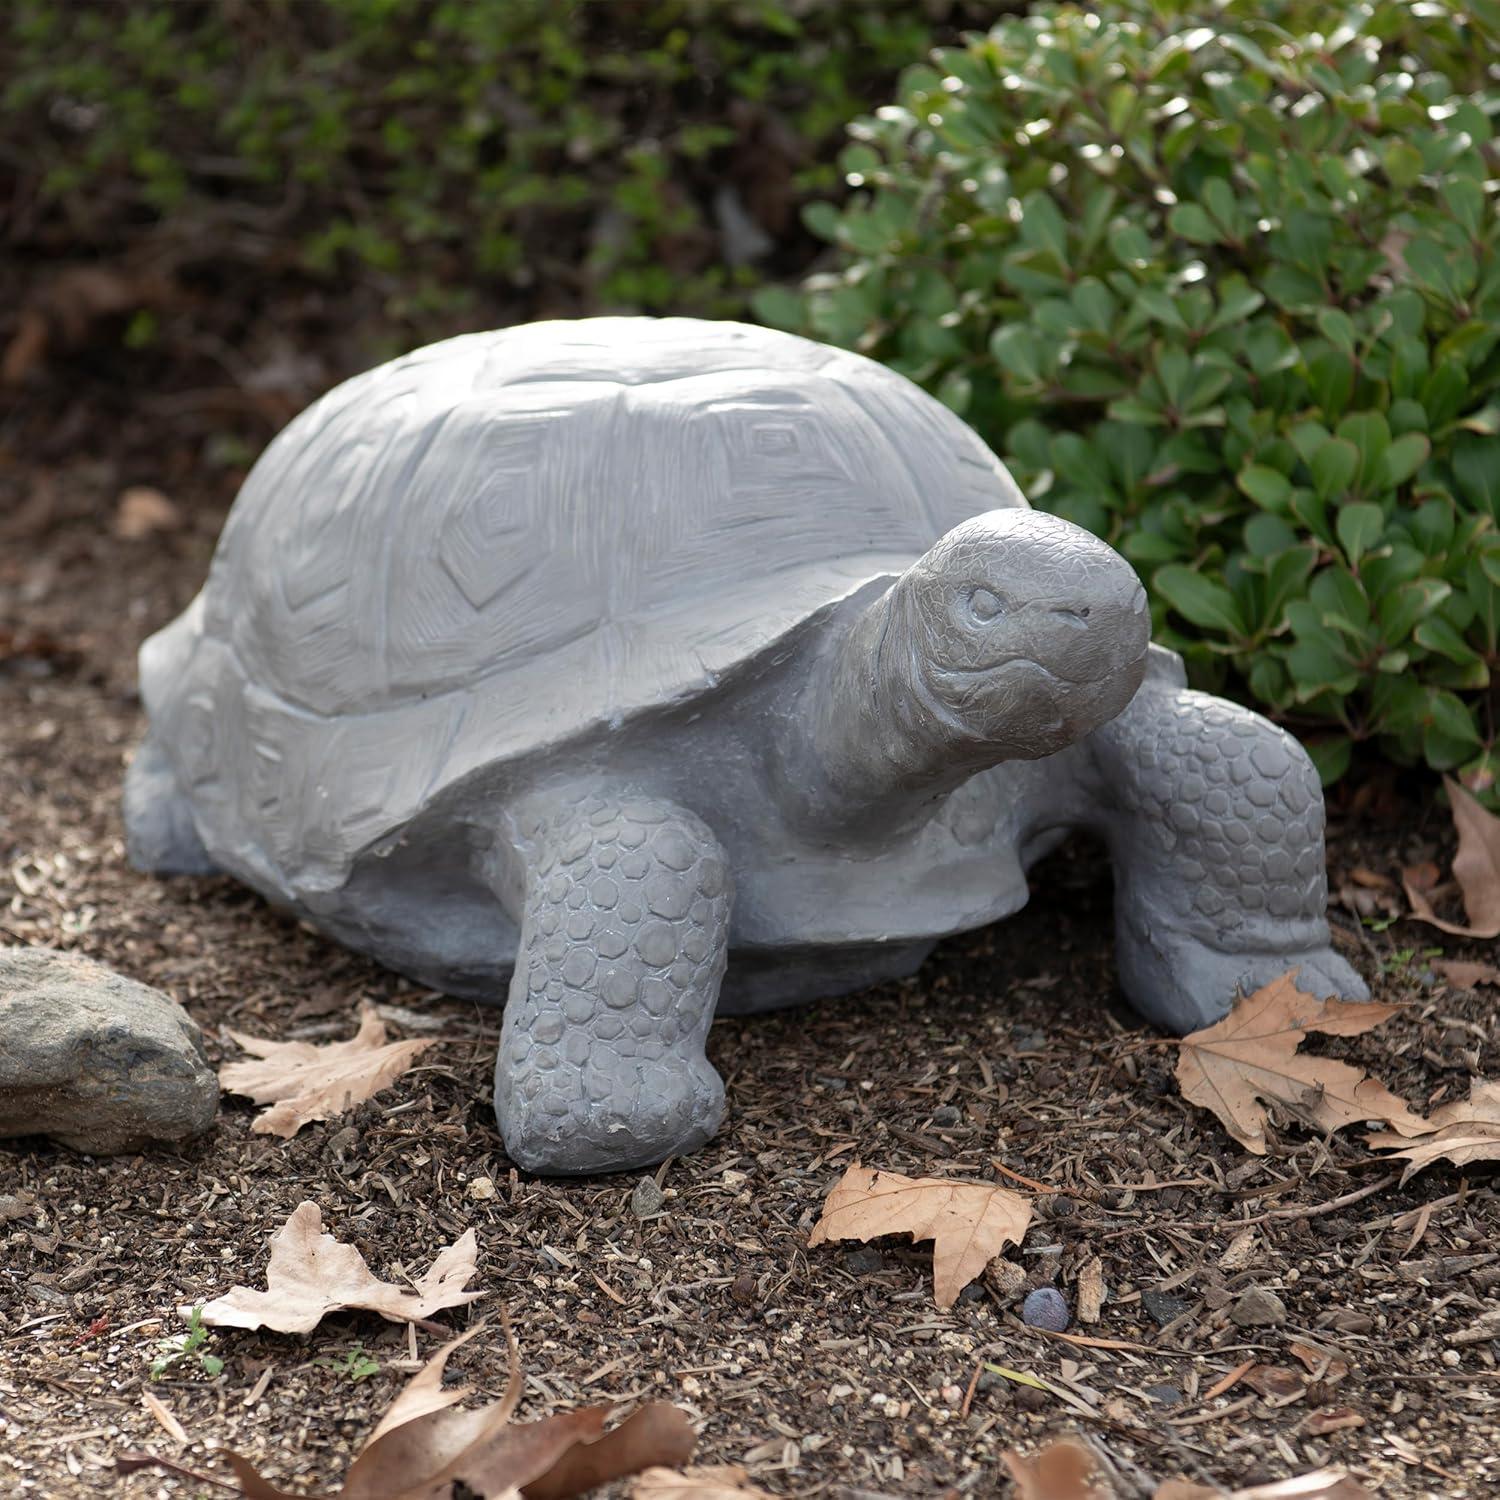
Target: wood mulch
[827, 1370]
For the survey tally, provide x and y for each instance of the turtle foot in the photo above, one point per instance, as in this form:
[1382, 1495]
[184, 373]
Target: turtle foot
[619, 1121]
[1186, 985]
[623, 945]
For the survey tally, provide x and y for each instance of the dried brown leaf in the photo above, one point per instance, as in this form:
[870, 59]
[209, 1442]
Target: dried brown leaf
[1276, 1381]
[1063, 1470]
[305, 1082]
[706, 1482]
[1465, 974]
[1325, 1484]
[311, 1274]
[1476, 867]
[424, 1449]
[969, 1223]
[1465, 1130]
[1250, 1058]
[142, 511]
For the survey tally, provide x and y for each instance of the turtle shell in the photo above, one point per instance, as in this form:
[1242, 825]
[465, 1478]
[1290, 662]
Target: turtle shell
[513, 539]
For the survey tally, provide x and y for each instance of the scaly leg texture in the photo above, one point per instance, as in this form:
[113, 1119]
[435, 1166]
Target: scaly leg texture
[1215, 821]
[159, 834]
[623, 943]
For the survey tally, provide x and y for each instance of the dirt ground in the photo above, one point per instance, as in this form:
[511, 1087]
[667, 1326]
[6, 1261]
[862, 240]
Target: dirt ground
[822, 1371]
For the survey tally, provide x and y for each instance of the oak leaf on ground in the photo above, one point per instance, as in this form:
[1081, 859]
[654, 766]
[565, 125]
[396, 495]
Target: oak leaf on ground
[1476, 867]
[1465, 973]
[1072, 1469]
[311, 1274]
[1462, 1131]
[708, 1482]
[1250, 1058]
[303, 1081]
[423, 1449]
[969, 1223]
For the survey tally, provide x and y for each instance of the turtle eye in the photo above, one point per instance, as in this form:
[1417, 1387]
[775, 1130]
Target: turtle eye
[985, 605]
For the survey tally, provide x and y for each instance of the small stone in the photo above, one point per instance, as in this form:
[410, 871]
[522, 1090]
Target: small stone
[1258, 1308]
[94, 1060]
[1047, 1308]
[863, 1261]
[742, 1289]
[1028, 1398]
[1165, 1395]
[481, 1189]
[646, 1198]
[1162, 1309]
[948, 1114]
[1006, 1277]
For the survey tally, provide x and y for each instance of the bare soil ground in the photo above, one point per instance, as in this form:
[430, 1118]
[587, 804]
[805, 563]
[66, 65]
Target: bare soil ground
[822, 1371]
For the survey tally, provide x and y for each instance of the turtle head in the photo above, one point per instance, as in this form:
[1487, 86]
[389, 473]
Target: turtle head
[1018, 633]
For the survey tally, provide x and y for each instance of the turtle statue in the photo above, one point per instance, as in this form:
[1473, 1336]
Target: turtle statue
[564, 665]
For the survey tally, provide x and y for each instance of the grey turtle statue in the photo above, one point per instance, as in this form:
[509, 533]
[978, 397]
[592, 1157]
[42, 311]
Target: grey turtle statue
[563, 665]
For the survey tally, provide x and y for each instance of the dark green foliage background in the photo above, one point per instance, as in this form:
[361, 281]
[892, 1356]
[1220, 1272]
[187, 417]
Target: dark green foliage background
[460, 158]
[1221, 283]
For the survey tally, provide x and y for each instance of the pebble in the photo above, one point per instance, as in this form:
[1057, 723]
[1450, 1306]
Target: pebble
[1163, 1309]
[862, 1262]
[948, 1114]
[94, 1060]
[646, 1198]
[1167, 1395]
[1047, 1308]
[1258, 1308]
[742, 1288]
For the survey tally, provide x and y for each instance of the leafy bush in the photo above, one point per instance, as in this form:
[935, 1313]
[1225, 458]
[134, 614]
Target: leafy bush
[464, 158]
[1221, 282]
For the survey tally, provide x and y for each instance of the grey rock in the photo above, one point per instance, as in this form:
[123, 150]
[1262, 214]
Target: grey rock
[1047, 1308]
[627, 671]
[864, 1262]
[1162, 1308]
[1258, 1308]
[646, 1199]
[1165, 1395]
[95, 1060]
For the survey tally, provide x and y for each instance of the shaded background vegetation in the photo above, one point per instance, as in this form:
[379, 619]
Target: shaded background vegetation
[216, 209]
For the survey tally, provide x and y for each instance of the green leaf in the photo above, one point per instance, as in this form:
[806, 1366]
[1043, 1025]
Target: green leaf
[1400, 609]
[1476, 467]
[1371, 435]
[1436, 634]
[1193, 223]
[1043, 226]
[1330, 756]
[1200, 600]
[1405, 456]
[1266, 487]
[1359, 527]
[1017, 352]
[1334, 466]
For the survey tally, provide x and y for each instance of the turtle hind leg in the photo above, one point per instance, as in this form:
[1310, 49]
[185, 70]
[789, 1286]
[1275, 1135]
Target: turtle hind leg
[624, 938]
[1214, 818]
[160, 837]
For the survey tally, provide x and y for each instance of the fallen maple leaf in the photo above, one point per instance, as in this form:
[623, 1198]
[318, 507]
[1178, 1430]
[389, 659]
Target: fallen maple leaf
[423, 1450]
[1466, 974]
[1465, 1130]
[709, 1482]
[969, 1223]
[310, 1274]
[1251, 1056]
[1064, 1470]
[1476, 867]
[304, 1082]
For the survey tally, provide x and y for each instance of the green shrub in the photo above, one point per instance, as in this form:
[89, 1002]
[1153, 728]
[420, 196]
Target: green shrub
[460, 159]
[1221, 282]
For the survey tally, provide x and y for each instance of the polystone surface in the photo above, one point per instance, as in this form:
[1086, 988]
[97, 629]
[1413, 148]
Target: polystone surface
[627, 670]
[95, 1060]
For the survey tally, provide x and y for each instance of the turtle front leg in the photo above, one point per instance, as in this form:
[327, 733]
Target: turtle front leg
[623, 942]
[1214, 818]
